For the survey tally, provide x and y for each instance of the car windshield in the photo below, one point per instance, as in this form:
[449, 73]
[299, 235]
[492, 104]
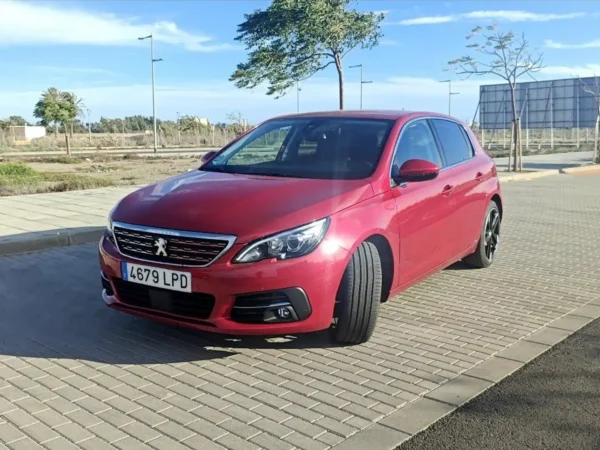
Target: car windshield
[325, 147]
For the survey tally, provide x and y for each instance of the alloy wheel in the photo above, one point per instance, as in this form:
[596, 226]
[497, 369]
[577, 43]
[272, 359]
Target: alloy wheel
[492, 234]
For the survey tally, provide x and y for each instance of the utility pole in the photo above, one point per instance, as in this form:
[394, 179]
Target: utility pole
[178, 130]
[361, 82]
[298, 97]
[89, 127]
[152, 60]
[450, 94]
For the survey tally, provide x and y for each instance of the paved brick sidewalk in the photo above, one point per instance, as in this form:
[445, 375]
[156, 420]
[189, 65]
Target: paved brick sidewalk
[74, 374]
[42, 214]
[47, 212]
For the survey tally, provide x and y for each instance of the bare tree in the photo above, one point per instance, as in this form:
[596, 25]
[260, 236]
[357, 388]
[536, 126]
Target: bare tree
[506, 56]
[595, 92]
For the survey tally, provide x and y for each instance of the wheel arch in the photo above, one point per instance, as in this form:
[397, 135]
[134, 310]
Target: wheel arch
[496, 198]
[387, 263]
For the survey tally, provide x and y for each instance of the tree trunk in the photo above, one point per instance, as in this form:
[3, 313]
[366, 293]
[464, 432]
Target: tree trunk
[514, 137]
[68, 141]
[519, 144]
[340, 70]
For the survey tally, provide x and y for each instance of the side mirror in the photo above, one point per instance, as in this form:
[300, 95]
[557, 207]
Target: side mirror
[207, 157]
[418, 170]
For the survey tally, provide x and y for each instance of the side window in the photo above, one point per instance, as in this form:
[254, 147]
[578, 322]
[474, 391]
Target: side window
[454, 143]
[264, 148]
[416, 142]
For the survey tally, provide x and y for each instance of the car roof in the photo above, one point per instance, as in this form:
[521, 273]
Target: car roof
[367, 114]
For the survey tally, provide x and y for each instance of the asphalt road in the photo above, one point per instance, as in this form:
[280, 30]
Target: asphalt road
[552, 403]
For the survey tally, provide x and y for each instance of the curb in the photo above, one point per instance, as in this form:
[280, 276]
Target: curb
[590, 168]
[393, 430]
[529, 175]
[26, 243]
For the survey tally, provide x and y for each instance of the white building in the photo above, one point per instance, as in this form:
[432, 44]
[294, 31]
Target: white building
[27, 133]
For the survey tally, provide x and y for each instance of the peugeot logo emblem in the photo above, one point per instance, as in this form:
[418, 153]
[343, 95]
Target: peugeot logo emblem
[161, 247]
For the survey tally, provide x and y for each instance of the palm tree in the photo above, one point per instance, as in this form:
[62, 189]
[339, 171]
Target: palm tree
[46, 109]
[77, 107]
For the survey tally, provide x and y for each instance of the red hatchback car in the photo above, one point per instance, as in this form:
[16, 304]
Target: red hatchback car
[306, 222]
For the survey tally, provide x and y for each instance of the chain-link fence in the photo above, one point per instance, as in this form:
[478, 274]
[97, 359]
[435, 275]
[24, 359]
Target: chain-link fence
[539, 140]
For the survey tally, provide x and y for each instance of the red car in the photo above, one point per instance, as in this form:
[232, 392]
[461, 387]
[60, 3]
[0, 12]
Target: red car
[307, 222]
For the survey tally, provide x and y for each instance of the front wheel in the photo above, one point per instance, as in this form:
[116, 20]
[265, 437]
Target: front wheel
[489, 240]
[359, 297]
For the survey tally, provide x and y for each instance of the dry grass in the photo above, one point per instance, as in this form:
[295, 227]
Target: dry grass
[17, 178]
[27, 175]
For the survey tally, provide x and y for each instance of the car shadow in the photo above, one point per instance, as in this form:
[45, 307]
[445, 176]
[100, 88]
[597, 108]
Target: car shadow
[51, 307]
[459, 265]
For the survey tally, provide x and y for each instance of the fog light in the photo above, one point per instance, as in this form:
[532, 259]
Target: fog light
[283, 313]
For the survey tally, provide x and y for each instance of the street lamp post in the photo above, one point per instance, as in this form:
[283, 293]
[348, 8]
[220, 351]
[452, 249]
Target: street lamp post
[152, 60]
[450, 94]
[89, 126]
[298, 97]
[361, 82]
[178, 130]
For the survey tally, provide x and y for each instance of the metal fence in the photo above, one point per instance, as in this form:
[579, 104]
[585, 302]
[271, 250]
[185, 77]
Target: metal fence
[554, 114]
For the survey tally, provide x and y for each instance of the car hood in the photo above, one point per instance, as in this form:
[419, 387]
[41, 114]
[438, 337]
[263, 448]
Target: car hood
[246, 206]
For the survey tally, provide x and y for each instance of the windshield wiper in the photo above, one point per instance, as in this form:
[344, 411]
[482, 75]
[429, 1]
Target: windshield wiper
[215, 169]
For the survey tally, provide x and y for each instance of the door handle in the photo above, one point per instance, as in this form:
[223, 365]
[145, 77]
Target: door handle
[479, 176]
[447, 190]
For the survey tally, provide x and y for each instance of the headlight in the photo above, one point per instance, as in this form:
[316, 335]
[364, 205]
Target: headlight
[285, 245]
[109, 223]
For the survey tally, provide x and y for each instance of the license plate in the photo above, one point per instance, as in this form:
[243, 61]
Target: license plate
[156, 277]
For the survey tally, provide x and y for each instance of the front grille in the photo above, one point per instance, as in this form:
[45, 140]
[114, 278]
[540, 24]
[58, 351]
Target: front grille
[197, 305]
[191, 249]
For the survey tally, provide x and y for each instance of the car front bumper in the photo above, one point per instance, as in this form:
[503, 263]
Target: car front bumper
[239, 293]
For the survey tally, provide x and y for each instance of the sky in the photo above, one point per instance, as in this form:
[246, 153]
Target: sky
[91, 48]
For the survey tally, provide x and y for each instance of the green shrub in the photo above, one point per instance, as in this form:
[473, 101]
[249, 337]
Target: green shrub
[16, 170]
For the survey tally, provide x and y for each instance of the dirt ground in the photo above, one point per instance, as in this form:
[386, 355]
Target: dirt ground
[117, 170]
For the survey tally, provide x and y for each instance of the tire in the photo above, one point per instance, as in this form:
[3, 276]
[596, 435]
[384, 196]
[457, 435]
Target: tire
[484, 255]
[359, 297]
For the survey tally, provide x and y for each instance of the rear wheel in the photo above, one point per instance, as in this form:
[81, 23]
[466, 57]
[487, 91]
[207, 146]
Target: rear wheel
[358, 297]
[489, 240]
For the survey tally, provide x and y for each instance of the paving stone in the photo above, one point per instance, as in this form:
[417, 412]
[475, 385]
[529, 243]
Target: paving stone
[207, 429]
[140, 431]
[305, 443]
[20, 418]
[233, 442]
[418, 415]
[40, 432]
[25, 444]
[523, 351]
[548, 336]
[459, 390]
[494, 369]
[240, 429]
[269, 442]
[73, 432]
[107, 432]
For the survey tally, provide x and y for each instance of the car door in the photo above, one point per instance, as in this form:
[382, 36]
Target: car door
[421, 207]
[464, 175]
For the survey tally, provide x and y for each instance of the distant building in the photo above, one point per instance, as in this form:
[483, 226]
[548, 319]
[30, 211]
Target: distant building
[26, 133]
